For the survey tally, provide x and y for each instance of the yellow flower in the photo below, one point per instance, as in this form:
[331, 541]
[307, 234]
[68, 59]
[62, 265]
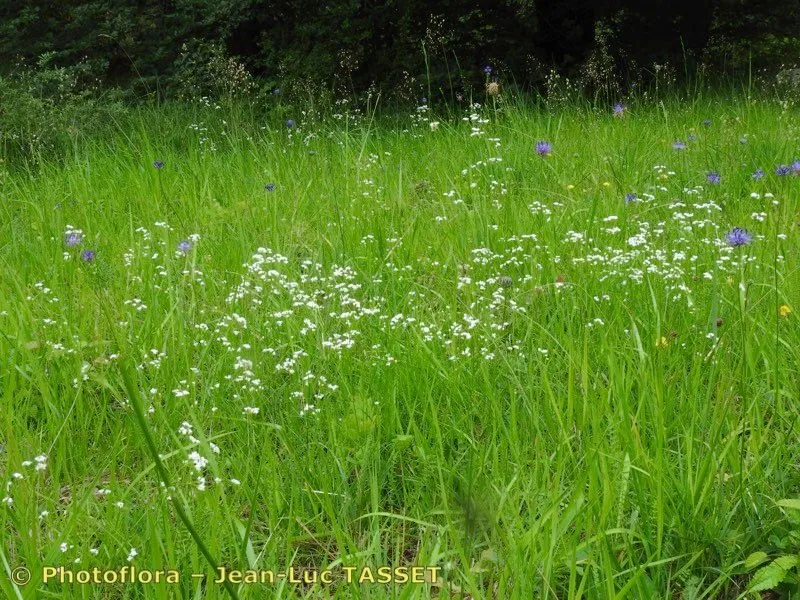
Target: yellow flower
[785, 310]
[606, 184]
[663, 342]
[570, 186]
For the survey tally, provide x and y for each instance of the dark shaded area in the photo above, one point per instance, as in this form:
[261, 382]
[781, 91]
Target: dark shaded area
[156, 47]
[566, 31]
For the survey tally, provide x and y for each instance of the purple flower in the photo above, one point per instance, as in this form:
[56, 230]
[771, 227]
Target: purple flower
[290, 123]
[87, 255]
[423, 101]
[759, 174]
[544, 148]
[783, 170]
[158, 164]
[631, 197]
[707, 122]
[270, 187]
[184, 246]
[487, 70]
[796, 167]
[739, 237]
[73, 238]
[679, 145]
[618, 110]
[713, 177]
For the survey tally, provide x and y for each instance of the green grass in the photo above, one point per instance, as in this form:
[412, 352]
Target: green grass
[457, 361]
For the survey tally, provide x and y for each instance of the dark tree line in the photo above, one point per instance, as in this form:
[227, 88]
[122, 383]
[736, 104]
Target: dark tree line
[161, 46]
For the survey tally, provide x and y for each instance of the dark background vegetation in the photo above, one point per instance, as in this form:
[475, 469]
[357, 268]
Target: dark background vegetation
[174, 48]
[74, 70]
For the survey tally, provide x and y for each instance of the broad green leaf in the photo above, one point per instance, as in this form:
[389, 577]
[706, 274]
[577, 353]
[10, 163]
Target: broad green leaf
[793, 503]
[755, 559]
[774, 573]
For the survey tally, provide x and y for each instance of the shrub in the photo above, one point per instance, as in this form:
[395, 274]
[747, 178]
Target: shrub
[45, 108]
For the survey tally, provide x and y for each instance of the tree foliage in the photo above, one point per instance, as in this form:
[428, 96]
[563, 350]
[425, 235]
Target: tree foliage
[156, 47]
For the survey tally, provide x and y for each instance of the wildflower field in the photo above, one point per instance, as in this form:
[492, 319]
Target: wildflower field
[543, 352]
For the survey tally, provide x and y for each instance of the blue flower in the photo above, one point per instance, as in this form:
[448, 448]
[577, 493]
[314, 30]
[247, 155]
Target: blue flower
[276, 91]
[289, 123]
[618, 110]
[631, 197]
[270, 187]
[184, 246]
[679, 145]
[487, 70]
[73, 238]
[739, 237]
[759, 174]
[544, 148]
[692, 137]
[713, 177]
[783, 170]
[707, 122]
[796, 167]
[87, 255]
[158, 164]
[423, 101]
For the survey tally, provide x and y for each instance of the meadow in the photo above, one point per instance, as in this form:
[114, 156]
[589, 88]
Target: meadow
[551, 351]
